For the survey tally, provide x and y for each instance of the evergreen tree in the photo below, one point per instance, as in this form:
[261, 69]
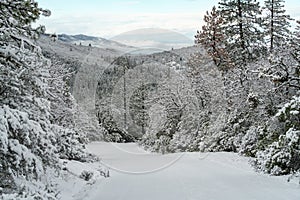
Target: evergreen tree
[212, 38]
[27, 143]
[278, 150]
[241, 27]
[64, 110]
[296, 43]
[139, 105]
[284, 68]
[276, 23]
[36, 123]
[280, 147]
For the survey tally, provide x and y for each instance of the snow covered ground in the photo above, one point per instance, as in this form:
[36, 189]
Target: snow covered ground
[136, 174]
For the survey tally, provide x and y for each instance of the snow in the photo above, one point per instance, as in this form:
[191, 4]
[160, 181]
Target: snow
[136, 174]
[72, 185]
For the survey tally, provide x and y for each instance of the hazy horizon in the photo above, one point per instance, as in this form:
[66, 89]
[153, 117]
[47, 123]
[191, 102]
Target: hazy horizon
[110, 18]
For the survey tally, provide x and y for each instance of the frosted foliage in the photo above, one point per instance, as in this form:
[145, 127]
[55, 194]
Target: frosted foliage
[24, 143]
[291, 108]
[63, 111]
[241, 106]
[27, 140]
[250, 139]
[31, 137]
[283, 154]
[70, 144]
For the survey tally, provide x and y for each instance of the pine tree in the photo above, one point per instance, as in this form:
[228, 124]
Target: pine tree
[27, 143]
[296, 43]
[241, 27]
[276, 23]
[64, 110]
[139, 106]
[281, 151]
[212, 38]
[36, 123]
[284, 67]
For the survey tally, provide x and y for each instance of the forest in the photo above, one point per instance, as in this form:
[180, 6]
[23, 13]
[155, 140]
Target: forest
[236, 90]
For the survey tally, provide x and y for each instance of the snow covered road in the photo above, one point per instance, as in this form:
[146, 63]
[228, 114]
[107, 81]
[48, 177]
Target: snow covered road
[139, 175]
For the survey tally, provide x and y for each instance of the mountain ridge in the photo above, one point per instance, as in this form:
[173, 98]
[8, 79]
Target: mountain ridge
[154, 38]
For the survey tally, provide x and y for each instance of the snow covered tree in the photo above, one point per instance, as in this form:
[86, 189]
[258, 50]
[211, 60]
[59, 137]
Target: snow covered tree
[115, 126]
[27, 143]
[212, 38]
[280, 148]
[172, 115]
[139, 106]
[36, 123]
[71, 139]
[276, 23]
[296, 46]
[284, 72]
[161, 138]
[241, 28]
[297, 34]
[284, 68]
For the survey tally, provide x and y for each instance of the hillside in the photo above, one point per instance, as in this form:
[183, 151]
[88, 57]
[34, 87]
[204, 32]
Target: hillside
[92, 63]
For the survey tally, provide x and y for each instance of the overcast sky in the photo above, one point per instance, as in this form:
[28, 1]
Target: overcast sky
[107, 18]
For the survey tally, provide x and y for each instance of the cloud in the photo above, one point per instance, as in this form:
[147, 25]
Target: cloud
[108, 25]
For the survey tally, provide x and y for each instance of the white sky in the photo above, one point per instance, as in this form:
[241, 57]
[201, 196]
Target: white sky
[107, 18]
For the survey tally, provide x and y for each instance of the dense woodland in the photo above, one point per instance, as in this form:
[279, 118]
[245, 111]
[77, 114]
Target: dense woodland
[257, 52]
[239, 94]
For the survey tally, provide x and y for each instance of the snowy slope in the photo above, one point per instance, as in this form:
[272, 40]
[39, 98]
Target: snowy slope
[90, 64]
[214, 176]
[95, 41]
[68, 49]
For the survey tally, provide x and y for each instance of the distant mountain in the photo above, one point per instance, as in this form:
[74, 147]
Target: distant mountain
[74, 38]
[95, 41]
[153, 38]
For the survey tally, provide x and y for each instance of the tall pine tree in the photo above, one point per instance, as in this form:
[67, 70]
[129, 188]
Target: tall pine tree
[276, 23]
[241, 27]
[296, 53]
[296, 43]
[212, 39]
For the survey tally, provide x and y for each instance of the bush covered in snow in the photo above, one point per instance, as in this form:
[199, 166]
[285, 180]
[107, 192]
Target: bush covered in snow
[282, 156]
[86, 175]
[280, 152]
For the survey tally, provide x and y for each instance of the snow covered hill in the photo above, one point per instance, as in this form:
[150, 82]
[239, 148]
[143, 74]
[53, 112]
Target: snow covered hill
[136, 174]
[90, 64]
[95, 41]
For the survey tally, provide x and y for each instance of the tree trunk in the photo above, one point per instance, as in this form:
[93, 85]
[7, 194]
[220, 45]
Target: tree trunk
[272, 27]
